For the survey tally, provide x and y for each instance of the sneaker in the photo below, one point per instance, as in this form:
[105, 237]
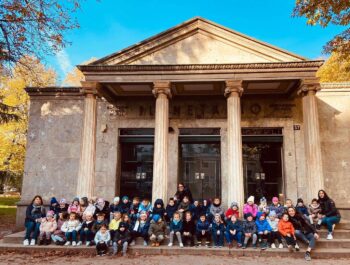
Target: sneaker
[181, 245]
[329, 236]
[307, 256]
[79, 243]
[132, 243]
[74, 243]
[297, 248]
[32, 242]
[239, 245]
[170, 244]
[280, 245]
[67, 243]
[26, 242]
[87, 243]
[273, 245]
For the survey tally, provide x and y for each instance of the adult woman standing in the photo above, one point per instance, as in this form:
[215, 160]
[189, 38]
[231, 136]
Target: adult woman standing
[181, 192]
[35, 211]
[329, 213]
[304, 231]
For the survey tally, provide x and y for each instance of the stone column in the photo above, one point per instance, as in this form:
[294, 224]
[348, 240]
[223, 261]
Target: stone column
[314, 171]
[235, 188]
[162, 93]
[86, 176]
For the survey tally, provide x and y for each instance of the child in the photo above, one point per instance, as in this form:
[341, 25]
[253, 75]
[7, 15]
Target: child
[175, 228]
[195, 210]
[218, 230]
[158, 208]
[288, 204]
[121, 239]
[134, 209]
[63, 206]
[273, 222]
[276, 207]
[125, 205]
[314, 210]
[47, 227]
[114, 223]
[71, 228]
[302, 209]
[216, 208]
[100, 220]
[286, 229]
[170, 209]
[263, 206]
[156, 230]
[203, 230]
[84, 203]
[234, 231]
[249, 230]
[205, 207]
[141, 229]
[58, 235]
[188, 229]
[250, 207]
[54, 206]
[86, 233]
[102, 206]
[184, 206]
[263, 229]
[145, 207]
[233, 210]
[102, 239]
[127, 221]
[114, 207]
[74, 207]
[91, 208]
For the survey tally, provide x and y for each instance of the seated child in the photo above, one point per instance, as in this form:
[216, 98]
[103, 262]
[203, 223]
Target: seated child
[91, 208]
[175, 228]
[86, 234]
[114, 223]
[205, 207]
[100, 220]
[63, 206]
[71, 228]
[276, 207]
[286, 229]
[288, 204]
[58, 236]
[274, 235]
[250, 207]
[145, 207]
[263, 206]
[184, 206]
[74, 207]
[125, 205]
[249, 230]
[102, 207]
[314, 210]
[156, 230]
[188, 229]
[216, 208]
[195, 210]
[54, 206]
[47, 228]
[114, 207]
[234, 231]
[134, 209]
[203, 230]
[127, 221]
[218, 231]
[140, 229]
[233, 210]
[121, 239]
[302, 209]
[170, 209]
[101, 240]
[158, 208]
[263, 229]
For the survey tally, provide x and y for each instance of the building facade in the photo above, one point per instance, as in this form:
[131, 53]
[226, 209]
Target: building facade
[226, 114]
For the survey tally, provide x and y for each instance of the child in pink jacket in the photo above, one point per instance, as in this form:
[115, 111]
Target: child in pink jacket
[47, 227]
[250, 207]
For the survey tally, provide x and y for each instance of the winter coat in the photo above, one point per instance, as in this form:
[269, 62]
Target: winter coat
[196, 211]
[70, 226]
[115, 208]
[160, 211]
[123, 236]
[74, 209]
[125, 207]
[216, 209]
[34, 212]
[179, 195]
[147, 209]
[64, 209]
[215, 227]
[48, 226]
[134, 209]
[106, 237]
[87, 224]
[157, 228]
[302, 210]
[170, 210]
[315, 211]
[285, 227]
[273, 224]
[238, 226]
[205, 209]
[328, 208]
[114, 224]
[104, 210]
[97, 225]
[279, 209]
[184, 206]
[299, 222]
[231, 212]
[253, 209]
[249, 227]
[141, 227]
[189, 226]
[175, 227]
[58, 231]
[263, 225]
[202, 226]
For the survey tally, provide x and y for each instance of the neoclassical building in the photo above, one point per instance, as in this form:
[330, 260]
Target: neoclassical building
[222, 112]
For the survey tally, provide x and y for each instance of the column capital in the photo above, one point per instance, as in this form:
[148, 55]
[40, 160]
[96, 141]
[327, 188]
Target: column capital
[161, 87]
[233, 87]
[89, 87]
[309, 86]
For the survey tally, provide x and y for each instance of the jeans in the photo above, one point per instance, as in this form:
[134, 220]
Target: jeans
[71, 236]
[230, 237]
[330, 221]
[32, 227]
[123, 247]
[86, 235]
[218, 238]
[307, 238]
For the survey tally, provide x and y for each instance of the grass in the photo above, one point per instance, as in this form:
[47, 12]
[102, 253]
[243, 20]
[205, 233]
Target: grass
[9, 201]
[8, 213]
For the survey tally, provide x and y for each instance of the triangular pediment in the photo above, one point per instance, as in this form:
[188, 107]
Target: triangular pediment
[199, 41]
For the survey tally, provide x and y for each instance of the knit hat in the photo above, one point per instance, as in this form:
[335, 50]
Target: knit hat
[50, 214]
[53, 200]
[275, 199]
[156, 218]
[125, 198]
[263, 199]
[116, 199]
[234, 204]
[247, 215]
[273, 214]
[63, 201]
[251, 199]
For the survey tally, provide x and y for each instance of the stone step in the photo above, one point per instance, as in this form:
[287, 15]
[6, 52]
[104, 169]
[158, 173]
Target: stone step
[164, 250]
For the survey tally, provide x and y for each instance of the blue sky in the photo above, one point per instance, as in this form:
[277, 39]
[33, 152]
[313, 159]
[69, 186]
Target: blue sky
[107, 26]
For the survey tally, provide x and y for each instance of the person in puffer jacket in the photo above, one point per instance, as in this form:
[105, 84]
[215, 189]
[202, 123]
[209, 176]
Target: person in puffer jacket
[188, 229]
[301, 208]
[158, 208]
[250, 207]
[58, 236]
[140, 229]
[203, 230]
[121, 239]
[156, 230]
[234, 231]
[145, 207]
[101, 240]
[263, 228]
[249, 230]
[175, 229]
[233, 210]
[274, 235]
[216, 208]
[218, 231]
[47, 227]
[170, 209]
[314, 210]
[276, 207]
[71, 228]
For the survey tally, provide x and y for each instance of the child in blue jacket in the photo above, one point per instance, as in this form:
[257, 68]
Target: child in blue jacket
[234, 231]
[203, 230]
[263, 228]
[218, 231]
[175, 228]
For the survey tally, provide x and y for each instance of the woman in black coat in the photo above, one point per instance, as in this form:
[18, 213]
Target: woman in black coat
[329, 213]
[183, 191]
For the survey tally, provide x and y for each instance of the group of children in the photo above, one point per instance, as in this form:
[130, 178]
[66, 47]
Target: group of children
[119, 224]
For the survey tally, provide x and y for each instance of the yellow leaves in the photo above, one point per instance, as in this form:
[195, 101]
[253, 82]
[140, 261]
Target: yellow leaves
[335, 69]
